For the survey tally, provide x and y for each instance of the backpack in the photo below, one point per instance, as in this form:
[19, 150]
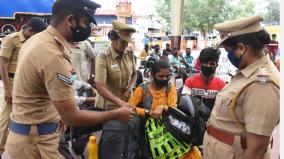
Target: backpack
[162, 139]
[199, 119]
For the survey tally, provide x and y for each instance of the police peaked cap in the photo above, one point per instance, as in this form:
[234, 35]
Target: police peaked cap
[87, 6]
[37, 24]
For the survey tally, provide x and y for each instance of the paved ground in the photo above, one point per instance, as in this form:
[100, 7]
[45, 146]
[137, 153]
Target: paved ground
[275, 149]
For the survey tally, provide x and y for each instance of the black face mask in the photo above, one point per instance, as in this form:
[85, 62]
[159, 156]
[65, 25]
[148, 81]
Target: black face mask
[161, 83]
[80, 33]
[188, 54]
[207, 71]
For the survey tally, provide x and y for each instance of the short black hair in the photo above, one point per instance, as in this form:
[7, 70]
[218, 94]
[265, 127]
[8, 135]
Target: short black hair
[158, 65]
[187, 48]
[167, 44]
[61, 9]
[112, 35]
[209, 54]
[255, 40]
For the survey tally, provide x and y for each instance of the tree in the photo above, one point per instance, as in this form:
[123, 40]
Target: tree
[163, 8]
[243, 8]
[273, 11]
[203, 14]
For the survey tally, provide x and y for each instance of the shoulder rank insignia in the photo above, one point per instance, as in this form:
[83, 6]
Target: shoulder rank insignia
[64, 79]
[263, 75]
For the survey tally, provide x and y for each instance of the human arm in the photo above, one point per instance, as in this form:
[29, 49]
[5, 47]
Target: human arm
[260, 116]
[135, 99]
[256, 146]
[6, 52]
[6, 81]
[74, 117]
[56, 79]
[132, 82]
[92, 56]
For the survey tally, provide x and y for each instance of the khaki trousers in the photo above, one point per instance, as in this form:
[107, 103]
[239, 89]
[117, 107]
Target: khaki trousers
[5, 112]
[33, 146]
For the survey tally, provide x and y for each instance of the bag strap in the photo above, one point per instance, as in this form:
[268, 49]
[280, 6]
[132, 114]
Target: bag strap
[233, 103]
[148, 97]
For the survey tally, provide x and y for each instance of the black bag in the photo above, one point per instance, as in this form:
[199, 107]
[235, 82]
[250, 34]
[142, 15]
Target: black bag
[79, 131]
[201, 116]
[181, 126]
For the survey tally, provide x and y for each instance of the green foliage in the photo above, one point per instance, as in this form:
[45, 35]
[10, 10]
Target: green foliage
[244, 8]
[273, 11]
[203, 14]
[163, 8]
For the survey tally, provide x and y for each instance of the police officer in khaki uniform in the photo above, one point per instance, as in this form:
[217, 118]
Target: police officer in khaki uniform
[116, 71]
[83, 60]
[8, 61]
[47, 94]
[246, 111]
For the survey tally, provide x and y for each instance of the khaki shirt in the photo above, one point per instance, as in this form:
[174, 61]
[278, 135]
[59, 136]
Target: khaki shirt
[257, 107]
[115, 71]
[42, 76]
[82, 55]
[10, 48]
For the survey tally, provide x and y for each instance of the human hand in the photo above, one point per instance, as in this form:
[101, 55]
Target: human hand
[126, 95]
[8, 95]
[124, 114]
[157, 112]
[62, 127]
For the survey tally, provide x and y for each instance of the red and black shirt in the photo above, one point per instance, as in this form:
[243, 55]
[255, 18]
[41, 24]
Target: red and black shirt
[206, 91]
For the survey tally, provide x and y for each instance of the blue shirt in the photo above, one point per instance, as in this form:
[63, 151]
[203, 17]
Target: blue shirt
[188, 59]
[145, 41]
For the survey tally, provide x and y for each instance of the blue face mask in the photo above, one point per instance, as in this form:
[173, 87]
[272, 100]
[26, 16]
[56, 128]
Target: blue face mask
[233, 59]
[73, 77]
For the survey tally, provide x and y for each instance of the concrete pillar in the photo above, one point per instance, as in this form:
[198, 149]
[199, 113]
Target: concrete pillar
[177, 7]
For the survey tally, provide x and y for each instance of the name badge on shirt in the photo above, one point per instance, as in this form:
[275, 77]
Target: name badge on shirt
[114, 66]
